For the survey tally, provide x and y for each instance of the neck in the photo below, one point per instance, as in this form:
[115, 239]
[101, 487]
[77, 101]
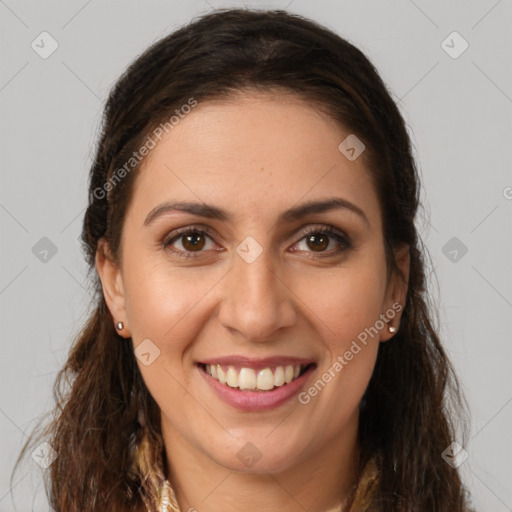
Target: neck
[320, 479]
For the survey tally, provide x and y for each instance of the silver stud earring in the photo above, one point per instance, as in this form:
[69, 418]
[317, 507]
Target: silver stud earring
[119, 325]
[392, 329]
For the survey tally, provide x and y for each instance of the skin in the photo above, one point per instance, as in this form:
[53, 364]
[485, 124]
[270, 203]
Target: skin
[255, 156]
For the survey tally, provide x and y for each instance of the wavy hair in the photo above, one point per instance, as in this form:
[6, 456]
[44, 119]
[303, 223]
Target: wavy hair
[106, 426]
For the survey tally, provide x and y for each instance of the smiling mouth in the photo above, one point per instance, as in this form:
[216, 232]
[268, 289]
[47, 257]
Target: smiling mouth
[248, 379]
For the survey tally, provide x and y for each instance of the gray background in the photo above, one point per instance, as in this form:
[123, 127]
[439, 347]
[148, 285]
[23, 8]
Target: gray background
[459, 116]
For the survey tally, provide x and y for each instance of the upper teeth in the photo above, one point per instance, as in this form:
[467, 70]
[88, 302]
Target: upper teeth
[247, 378]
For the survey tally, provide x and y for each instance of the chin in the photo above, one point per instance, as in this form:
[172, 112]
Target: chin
[255, 455]
[257, 463]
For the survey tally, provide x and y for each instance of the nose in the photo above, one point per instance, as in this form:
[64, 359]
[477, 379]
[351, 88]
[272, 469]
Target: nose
[256, 301]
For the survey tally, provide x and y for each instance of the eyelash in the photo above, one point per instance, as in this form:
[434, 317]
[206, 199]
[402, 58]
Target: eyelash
[324, 230]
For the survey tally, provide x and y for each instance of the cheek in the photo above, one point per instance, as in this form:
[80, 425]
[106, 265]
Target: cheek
[159, 298]
[345, 301]
[163, 305]
[346, 310]
[346, 305]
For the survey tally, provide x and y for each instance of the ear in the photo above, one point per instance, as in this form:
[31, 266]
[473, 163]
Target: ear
[112, 284]
[396, 292]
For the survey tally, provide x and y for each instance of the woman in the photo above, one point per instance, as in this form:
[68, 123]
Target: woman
[260, 337]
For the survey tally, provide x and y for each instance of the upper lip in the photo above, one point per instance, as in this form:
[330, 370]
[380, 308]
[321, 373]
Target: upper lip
[253, 362]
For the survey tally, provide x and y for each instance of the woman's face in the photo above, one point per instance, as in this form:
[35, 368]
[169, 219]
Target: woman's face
[252, 286]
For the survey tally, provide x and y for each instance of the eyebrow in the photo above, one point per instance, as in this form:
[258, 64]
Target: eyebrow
[290, 215]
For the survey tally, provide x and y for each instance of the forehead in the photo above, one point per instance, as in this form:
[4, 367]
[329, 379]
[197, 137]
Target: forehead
[255, 153]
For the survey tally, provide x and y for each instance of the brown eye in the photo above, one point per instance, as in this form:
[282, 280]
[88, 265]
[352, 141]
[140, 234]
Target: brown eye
[318, 239]
[188, 242]
[318, 242]
[193, 242]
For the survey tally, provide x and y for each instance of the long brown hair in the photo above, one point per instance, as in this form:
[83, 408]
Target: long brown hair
[104, 412]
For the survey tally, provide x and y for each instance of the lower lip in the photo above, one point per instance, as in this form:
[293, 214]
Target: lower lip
[257, 400]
